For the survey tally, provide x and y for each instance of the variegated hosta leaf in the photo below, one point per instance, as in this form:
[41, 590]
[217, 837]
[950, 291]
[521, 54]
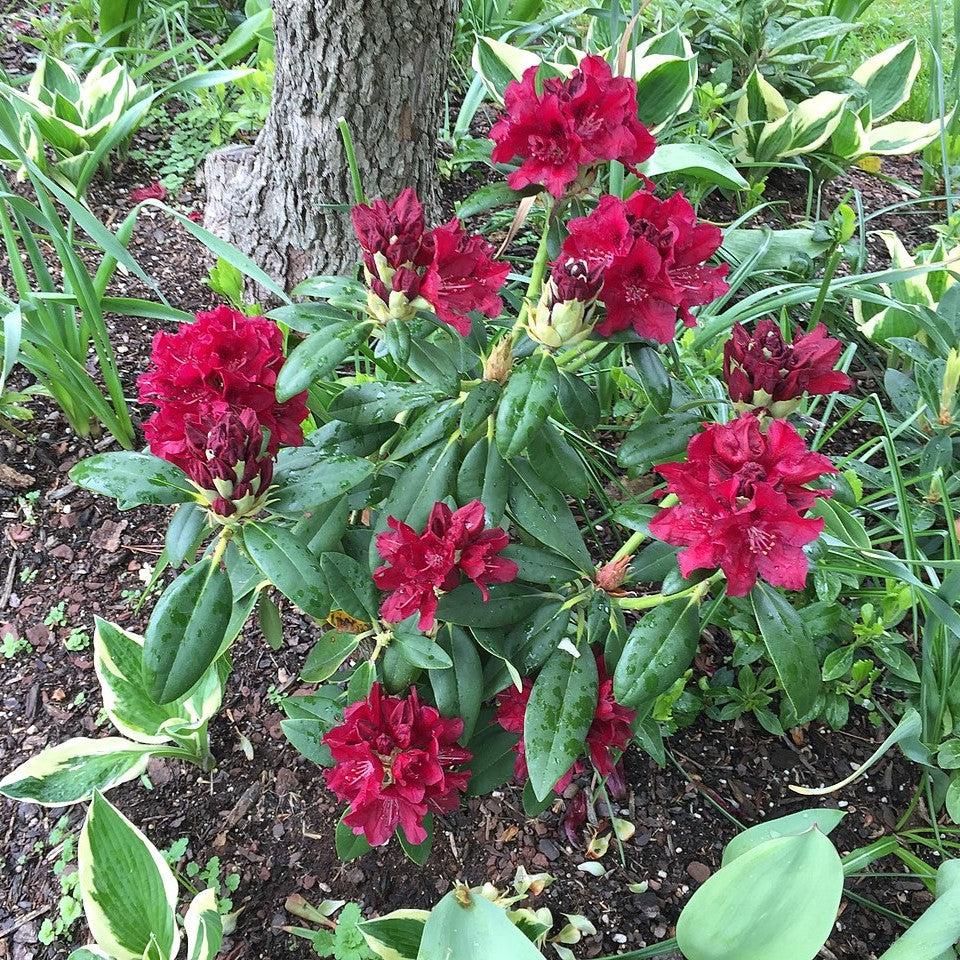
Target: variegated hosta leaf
[117, 658]
[71, 771]
[805, 128]
[397, 935]
[203, 926]
[498, 64]
[903, 137]
[129, 892]
[889, 76]
[760, 104]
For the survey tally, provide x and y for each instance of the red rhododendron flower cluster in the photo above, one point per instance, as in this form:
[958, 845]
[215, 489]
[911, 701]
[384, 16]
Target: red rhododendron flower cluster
[607, 738]
[764, 370]
[652, 256]
[743, 497]
[225, 361]
[454, 544]
[570, 126]
[409, 267]
[229, 462]
[395, 762]
[155, 191]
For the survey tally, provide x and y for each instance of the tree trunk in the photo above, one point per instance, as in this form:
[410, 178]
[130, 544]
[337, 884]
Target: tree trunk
[381, 64]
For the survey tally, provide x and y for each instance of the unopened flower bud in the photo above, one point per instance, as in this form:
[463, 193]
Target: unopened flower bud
[948, 389]
[611, 576]
[231, 466]
[500, 362]
[563, 317]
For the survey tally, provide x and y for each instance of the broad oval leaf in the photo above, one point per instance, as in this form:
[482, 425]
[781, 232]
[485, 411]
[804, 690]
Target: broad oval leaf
[186, 630]
[467, 926]
[657, 652]
[133, 479]
[527, 401]
[129, 893]
[826, 820]
[559, 713]
[779, 899]
[791, 651]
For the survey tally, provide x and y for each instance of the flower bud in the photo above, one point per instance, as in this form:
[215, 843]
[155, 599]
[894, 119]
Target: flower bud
[611, 576]
[230, 466]
[500, 362]
[563, 317]
[764, 371]
[948, 389]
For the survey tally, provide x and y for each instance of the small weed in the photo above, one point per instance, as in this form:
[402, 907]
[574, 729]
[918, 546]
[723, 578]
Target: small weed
[11, 646]
[77, 640]
[57, 616]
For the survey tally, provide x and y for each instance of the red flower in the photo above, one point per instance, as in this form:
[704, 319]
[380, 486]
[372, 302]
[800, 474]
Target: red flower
[742, 497]
[763, 370]
[224, 361]
[462, 277]
[229, 462]
[421, 565]
[652, 254]
[407, 268]
[195, 216]
[570, 126]
[395, 763]
[609, 732]
[155, 191]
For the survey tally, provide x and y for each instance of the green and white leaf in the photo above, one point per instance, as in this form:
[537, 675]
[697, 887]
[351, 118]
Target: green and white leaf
[889, 76]
[71, 771]
[203, 926]
[129, 892]
[117, 658]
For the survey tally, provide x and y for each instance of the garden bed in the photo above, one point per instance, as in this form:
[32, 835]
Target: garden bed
[265, 811]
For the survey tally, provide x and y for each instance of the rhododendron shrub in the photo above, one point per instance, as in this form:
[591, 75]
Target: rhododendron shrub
[426, 462]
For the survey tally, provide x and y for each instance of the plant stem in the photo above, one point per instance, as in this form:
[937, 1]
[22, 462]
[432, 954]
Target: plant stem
[358, 195]
[536, 274]
[658, 599]
[835, 257]
[630, 546]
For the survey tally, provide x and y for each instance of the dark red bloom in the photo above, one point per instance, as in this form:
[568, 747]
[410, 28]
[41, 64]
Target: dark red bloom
[155, 191]
[395, 762]
[462, 277]
[570, 126]
[742, 498]
[421, 565]
[223, 361]
[607, 738]
[409, 268]
[195, 216]
[230, 462]
[575, 818]
[651, 254]
[764, 370]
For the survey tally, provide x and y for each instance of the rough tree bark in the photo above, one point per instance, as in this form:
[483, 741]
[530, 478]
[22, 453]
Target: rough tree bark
[383, 65]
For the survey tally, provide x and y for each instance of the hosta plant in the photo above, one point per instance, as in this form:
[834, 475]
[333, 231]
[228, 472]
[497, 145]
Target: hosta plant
[75, 118]
[775, 897]
[835, 130]
[411, 459]
[130, 896]
[70, 772]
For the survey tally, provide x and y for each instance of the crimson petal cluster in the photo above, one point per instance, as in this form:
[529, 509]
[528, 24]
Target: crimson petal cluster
[408, 267]
[607, 737]
[743, 498]
[223, 362]
[454, 544]
[569, 126]
[396, 760]
[652, 256]
[763, 370]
